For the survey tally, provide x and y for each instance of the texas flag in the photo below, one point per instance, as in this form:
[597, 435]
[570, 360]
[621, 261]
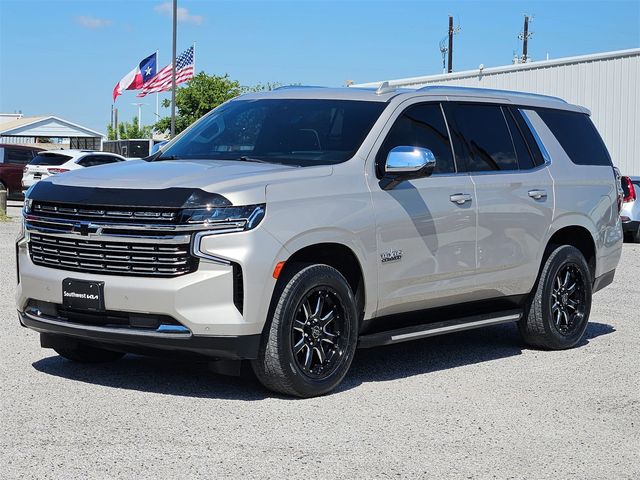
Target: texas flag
[137, 77]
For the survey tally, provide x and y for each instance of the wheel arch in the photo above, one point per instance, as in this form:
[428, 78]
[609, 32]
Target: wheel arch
[579, 236]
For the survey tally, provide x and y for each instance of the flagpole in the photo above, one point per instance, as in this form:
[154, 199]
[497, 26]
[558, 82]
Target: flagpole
[173, 69]
[157, 93]
[194, 59]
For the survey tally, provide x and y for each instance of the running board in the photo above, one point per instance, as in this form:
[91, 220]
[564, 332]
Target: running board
[437, 328]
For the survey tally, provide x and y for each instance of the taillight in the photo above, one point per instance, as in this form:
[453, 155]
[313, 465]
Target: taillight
[629, 191]
[620, 190]
[53, 171]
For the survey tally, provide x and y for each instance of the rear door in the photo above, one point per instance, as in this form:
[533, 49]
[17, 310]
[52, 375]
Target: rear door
[514, 191]
[426, 240]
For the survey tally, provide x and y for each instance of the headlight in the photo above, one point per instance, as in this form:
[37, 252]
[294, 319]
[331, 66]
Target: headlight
[226, 219]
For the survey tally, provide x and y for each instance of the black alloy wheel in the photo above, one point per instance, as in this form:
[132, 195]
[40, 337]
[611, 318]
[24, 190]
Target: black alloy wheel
[568, 299]
[316, 333]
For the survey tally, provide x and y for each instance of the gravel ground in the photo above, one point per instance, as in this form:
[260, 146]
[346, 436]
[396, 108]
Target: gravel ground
[469, 405]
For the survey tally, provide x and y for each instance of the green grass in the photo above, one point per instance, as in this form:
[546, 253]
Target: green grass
[4, 218]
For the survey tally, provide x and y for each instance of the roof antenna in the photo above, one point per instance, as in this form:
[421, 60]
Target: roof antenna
[385, 88]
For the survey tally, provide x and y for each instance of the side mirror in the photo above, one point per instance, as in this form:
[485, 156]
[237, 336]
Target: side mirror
[406, 163]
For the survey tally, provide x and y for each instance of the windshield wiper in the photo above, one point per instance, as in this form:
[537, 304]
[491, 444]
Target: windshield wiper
[252, 159]
[170, 157]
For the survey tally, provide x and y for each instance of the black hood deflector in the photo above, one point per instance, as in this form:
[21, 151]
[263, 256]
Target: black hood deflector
[175, 197]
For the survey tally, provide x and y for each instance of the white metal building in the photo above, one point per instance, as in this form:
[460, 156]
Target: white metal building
[14, 128]
[606, 83]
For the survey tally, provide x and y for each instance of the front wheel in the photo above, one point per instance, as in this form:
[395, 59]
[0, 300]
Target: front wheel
[558, 310]
[311, 340]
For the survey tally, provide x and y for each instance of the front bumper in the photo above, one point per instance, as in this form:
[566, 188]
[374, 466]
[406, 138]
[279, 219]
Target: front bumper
[55, 330]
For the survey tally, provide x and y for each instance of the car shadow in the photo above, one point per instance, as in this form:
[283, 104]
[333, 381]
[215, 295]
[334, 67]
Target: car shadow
[187, 378]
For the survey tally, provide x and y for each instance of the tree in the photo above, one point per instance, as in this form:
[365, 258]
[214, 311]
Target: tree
[129, 130]
[202, 94]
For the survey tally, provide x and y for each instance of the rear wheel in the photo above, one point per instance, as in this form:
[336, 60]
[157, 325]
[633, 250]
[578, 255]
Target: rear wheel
[83, 353]
[558, 310]
[311, 339]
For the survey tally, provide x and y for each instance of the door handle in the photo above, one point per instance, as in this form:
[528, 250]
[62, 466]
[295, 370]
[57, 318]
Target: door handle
[537, 194]
[460, 198]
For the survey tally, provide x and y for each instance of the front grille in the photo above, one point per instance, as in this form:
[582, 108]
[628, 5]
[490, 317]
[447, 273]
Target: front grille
[103, 213]
[112, 258]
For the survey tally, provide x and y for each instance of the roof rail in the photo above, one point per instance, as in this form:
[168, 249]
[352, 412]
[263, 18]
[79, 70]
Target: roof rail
[385, 88]
[455, 89]
[293, 87]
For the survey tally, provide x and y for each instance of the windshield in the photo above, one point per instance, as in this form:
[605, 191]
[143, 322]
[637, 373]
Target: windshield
[289, 131]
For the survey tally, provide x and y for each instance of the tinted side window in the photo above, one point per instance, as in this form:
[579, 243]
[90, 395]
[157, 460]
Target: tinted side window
[577, 135]
[88, 161]
[518, 115]
[485, 136]
[17, 156]
[105, 159]
[525, 160]
[420, 126]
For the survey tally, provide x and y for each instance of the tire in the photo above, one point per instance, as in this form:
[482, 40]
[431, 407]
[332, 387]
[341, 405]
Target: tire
[289, 360]
[557, 312]
[83, 353]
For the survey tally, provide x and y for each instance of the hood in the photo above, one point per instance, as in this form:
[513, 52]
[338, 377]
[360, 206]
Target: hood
[240, 182]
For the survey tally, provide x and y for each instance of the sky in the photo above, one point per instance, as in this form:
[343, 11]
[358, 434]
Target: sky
[64, 57]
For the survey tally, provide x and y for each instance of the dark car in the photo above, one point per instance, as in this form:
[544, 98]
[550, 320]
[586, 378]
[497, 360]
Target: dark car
[13, 159]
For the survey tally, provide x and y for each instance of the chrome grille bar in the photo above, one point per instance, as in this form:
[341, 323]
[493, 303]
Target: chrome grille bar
[115, 258]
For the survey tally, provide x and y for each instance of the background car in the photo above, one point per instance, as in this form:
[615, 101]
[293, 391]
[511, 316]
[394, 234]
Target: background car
[13, 158]
[54, 162]
[630, 212]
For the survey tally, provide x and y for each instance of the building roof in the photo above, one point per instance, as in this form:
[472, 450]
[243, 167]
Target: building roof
[418, 81]
[45, 126]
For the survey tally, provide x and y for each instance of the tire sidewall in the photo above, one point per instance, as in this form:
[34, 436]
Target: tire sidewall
[306, 280]
[560, 258]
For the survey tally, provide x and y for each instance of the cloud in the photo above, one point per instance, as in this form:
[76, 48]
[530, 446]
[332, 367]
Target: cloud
[184, 16]
[92, 22]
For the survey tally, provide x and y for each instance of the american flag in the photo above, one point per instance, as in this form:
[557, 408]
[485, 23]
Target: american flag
[162, 80]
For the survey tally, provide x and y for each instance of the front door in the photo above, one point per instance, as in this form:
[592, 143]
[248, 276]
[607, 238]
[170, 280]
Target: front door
[426, 228]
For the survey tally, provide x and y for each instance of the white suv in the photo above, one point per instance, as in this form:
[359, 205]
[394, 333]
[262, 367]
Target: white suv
[287, 228]
[53, 162]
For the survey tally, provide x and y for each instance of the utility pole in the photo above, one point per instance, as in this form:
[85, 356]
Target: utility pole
[450, 49]
[173, 69]
[525, 35]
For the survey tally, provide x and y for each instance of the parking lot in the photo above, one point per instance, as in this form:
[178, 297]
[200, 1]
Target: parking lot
[475, 404]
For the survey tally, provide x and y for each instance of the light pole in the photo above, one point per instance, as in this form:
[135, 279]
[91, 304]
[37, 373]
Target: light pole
[139, 114]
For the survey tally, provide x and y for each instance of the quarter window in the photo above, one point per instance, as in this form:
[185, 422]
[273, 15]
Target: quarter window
[485, 138]
[577, 135]
[423, 126]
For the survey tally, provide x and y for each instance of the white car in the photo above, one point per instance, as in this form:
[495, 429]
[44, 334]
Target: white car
[49, 163]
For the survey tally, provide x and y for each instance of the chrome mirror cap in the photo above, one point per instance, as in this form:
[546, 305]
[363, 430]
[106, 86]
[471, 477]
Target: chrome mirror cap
[407, 163]
[409, 160]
